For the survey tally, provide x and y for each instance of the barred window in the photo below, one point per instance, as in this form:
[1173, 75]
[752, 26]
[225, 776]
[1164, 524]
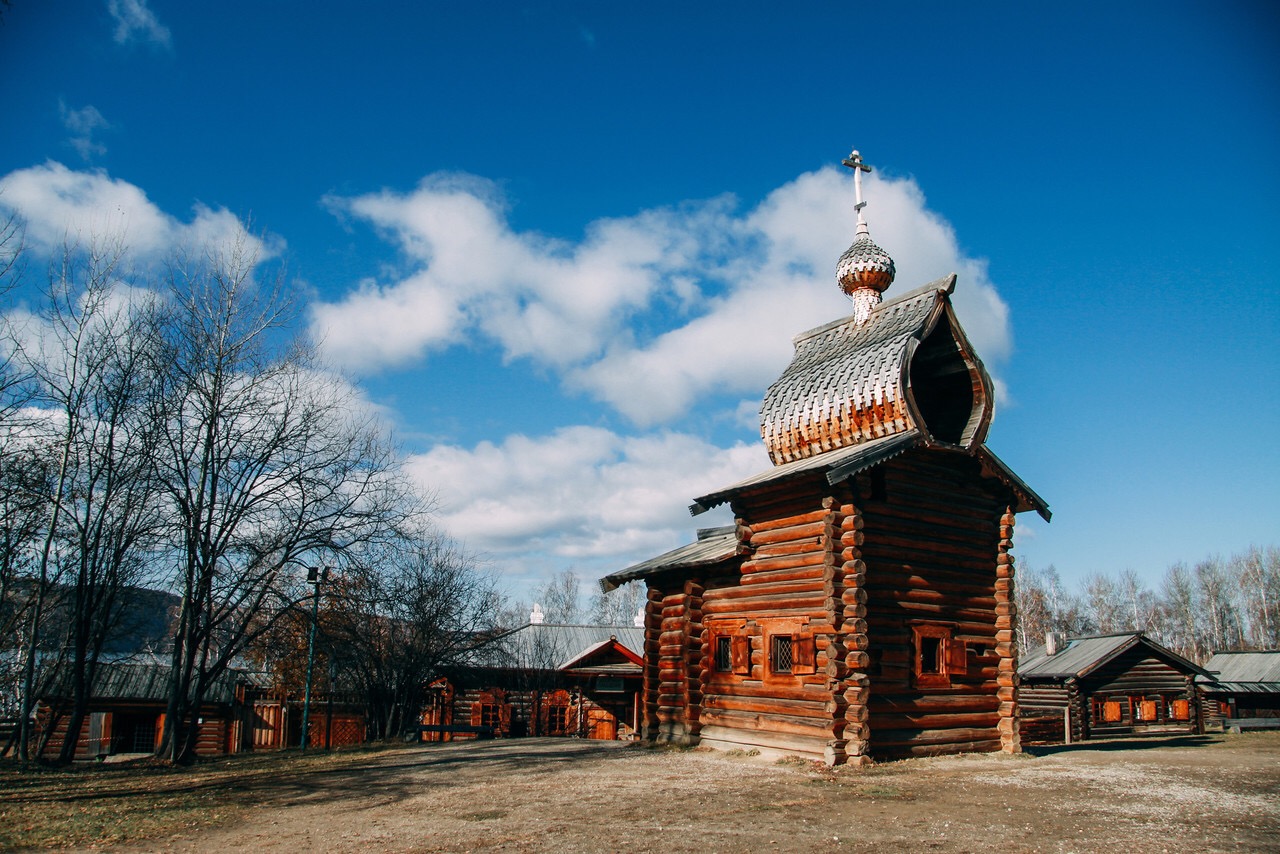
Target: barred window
[724, 654]
[780, 646]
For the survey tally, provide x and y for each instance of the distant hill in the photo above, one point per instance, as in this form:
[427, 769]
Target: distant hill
[144, 624]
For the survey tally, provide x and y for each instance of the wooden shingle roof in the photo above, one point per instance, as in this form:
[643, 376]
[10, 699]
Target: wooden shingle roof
[907, 367]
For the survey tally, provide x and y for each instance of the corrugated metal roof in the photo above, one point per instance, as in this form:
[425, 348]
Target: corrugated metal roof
[712, 546]
[544, 646]
[149, 681]
[1080, 656]
[1246, 672]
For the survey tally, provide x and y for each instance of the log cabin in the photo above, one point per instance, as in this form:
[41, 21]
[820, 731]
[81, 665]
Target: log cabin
[129, 699]
[861, 605]
[126, 713]
[541, 680]
[1072, 689]
[1245, 687]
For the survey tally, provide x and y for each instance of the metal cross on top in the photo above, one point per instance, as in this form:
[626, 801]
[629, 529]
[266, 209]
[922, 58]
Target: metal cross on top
[854, 162]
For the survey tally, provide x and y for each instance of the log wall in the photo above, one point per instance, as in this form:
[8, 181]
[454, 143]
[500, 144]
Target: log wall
[849, 573]
[936, 553]
[790, 585]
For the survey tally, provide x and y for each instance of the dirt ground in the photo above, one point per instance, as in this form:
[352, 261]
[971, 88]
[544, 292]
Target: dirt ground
[1213, 793]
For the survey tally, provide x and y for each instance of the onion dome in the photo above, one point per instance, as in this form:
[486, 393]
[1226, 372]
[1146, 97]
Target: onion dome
[864, 265]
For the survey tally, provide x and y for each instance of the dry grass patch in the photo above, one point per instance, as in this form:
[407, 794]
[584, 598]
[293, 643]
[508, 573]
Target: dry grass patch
[86, 804]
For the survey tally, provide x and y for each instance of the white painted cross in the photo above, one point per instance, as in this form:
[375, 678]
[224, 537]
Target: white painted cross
[854, 162]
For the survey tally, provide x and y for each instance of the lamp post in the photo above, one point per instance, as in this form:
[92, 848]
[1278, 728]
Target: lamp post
[315, 577]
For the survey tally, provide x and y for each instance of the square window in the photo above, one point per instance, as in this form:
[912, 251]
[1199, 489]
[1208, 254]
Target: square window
[780, 653]
[934, 660]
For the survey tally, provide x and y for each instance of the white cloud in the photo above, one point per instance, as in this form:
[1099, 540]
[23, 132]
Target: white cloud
[83, 123]
[60, 205]
[538, 297]
[135, 20]
[581, 494]
[649, 312]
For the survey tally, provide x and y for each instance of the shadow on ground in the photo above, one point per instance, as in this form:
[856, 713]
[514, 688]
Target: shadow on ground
[380, 778]
[1114, 744]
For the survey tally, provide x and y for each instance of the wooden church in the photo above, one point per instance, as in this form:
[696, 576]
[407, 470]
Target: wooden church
[861, 606]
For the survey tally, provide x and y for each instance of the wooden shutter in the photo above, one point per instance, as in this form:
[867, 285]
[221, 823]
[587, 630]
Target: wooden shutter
[1111, 711]
[477, 712]
[804, 654]
[1181, 710]
[957, 657]
[740, 655]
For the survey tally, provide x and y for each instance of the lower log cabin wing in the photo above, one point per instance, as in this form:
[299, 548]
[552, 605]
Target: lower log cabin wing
[127, 715]
[1245, 686]
[1108, 685]
[541, 680]
[862, 603]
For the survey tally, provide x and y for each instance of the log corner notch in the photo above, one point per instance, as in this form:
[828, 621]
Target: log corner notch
[674, 660]
[1006, 643]
[851, 686]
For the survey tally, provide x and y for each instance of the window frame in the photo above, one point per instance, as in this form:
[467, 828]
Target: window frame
[950, 655]
[782, 649]
[736, 633]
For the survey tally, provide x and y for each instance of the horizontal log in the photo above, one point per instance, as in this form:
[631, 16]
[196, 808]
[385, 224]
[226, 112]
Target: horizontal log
[769, 604]
[767, 723]
[811, 531]
[794, 708]
[729, 687]
[734, 738]
[975, 720]
[785, 549]
[933, 704]
[788, 570]
[773, 524]
[912, 549]
[941, 749]
[899, 738]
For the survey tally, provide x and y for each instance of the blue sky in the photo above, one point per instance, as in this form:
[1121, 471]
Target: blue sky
[565, 246]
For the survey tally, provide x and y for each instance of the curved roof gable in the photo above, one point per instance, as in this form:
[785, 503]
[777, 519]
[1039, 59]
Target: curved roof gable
[907, 367]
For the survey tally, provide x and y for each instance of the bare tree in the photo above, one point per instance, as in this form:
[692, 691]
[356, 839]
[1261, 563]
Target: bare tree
[1217, 617]
[1179, 625]
[265, 462]
[1045, 605]
[1257, 574]
[1103, 604]
[111, 515]
[68, 353]
[396, 614]
[560, 598]
[1138, 603]
[618, 607]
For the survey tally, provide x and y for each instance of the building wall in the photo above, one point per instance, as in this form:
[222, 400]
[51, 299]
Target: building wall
[113, 728]
[1150, 696]
[938, 570]
[543, 711]
[784, 594]
[851, 580]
